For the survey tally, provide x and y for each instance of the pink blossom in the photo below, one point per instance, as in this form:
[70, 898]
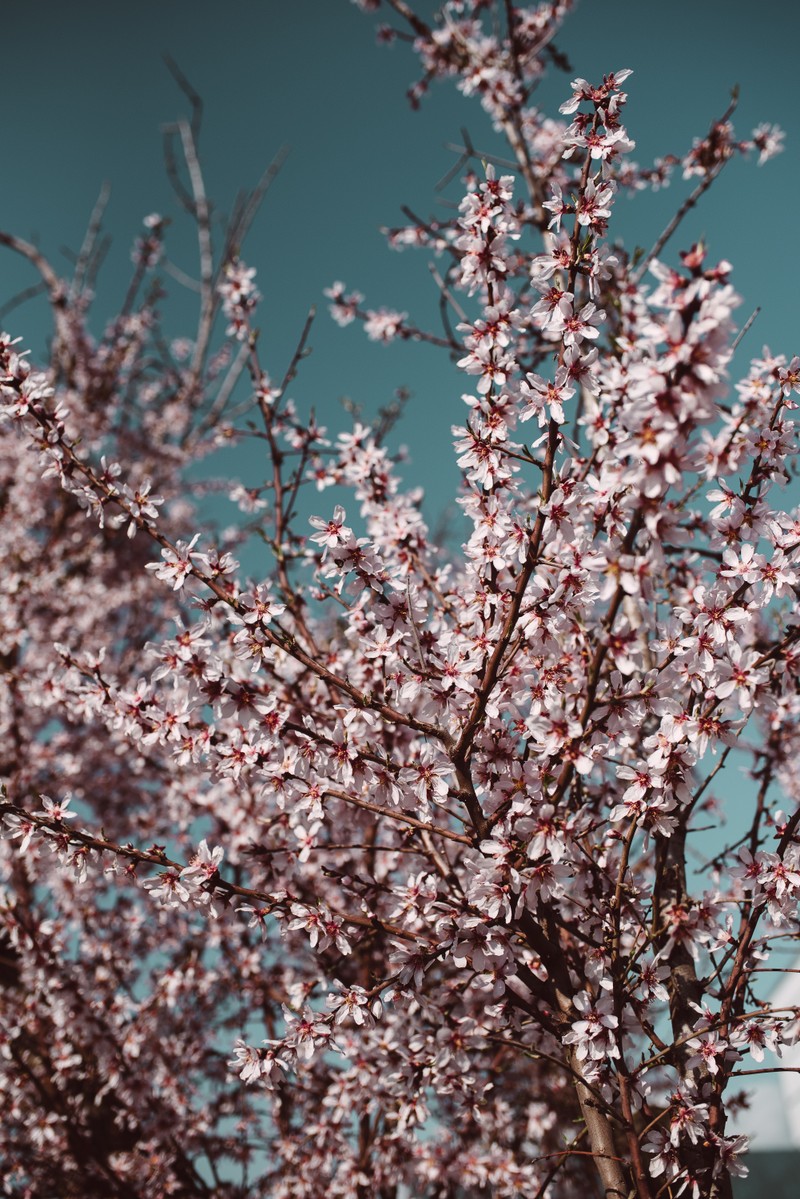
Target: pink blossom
[178, 563]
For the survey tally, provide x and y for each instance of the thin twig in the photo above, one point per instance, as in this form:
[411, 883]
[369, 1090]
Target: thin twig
[27, 293]
[205, 250]
[90, 240]
[689, 203]
[193, 96]
[744, 329]
[248, 205]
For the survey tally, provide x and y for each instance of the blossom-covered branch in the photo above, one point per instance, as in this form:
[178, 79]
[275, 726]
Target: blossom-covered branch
[371, 873]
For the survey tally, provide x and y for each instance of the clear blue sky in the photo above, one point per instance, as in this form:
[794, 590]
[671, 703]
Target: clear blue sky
[85, 92]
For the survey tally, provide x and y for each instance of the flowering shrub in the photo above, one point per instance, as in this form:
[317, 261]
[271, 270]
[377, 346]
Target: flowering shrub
[372, 875]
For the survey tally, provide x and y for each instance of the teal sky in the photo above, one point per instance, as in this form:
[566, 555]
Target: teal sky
[86, 91]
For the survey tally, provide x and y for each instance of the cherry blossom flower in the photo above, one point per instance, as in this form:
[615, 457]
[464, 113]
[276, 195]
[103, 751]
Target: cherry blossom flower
[351, 1003]
[178, 563]
[56, 809]
[384, 325]
[168, 888]
[593, 1035]
[239, 297]
[343, 306]
[19, 828]
[204, 865]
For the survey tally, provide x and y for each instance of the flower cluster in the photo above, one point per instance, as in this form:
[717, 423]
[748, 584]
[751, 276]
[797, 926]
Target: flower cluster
[240, 297]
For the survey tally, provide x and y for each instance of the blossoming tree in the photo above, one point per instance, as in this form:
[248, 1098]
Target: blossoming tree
[377, 874]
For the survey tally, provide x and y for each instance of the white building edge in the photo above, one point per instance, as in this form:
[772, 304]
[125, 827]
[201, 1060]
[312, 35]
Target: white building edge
[773, 1118]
